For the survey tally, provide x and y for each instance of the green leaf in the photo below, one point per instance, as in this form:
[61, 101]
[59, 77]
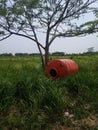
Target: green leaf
[3, 12]
[2, 32]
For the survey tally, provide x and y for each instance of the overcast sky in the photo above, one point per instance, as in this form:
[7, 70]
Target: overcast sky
[68, 45]
[16, 44]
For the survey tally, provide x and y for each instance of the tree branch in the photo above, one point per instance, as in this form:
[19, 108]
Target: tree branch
[19, 34]
[5, 37]
[61, 16]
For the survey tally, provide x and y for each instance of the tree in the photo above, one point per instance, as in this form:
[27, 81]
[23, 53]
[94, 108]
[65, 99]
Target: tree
[91, 26]
[91, 49]
[52, 18]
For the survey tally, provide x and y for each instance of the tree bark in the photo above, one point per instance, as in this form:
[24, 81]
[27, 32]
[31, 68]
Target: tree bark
[46, 55]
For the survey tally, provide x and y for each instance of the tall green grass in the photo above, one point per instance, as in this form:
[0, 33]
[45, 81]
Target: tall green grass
[31, 101]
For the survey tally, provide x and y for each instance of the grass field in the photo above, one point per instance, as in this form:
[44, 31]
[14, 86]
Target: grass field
[30, 101]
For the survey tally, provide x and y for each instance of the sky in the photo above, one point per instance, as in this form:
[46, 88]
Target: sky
[16, 44]
[68, 45]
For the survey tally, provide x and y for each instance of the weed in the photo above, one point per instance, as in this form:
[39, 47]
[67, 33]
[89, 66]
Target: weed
[29, 100]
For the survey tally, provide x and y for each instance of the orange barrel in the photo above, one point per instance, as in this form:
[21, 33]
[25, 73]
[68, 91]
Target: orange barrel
[59, 68]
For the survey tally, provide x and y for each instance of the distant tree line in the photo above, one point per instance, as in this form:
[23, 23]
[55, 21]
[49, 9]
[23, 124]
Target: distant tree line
[32, 54]
[52, 54]
[20, 54]
[6, 54]
[58, 53]
[26, 54]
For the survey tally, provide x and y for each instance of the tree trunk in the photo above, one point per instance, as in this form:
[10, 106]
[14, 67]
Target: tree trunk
[46, 55]
[42, 61]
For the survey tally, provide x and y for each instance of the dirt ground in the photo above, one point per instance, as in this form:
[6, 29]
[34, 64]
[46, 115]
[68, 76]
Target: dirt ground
[89, 123]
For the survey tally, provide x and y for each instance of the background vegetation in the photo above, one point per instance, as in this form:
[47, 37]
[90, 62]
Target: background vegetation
[30, 101]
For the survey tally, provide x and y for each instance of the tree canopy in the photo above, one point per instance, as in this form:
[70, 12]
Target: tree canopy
[52, 18]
